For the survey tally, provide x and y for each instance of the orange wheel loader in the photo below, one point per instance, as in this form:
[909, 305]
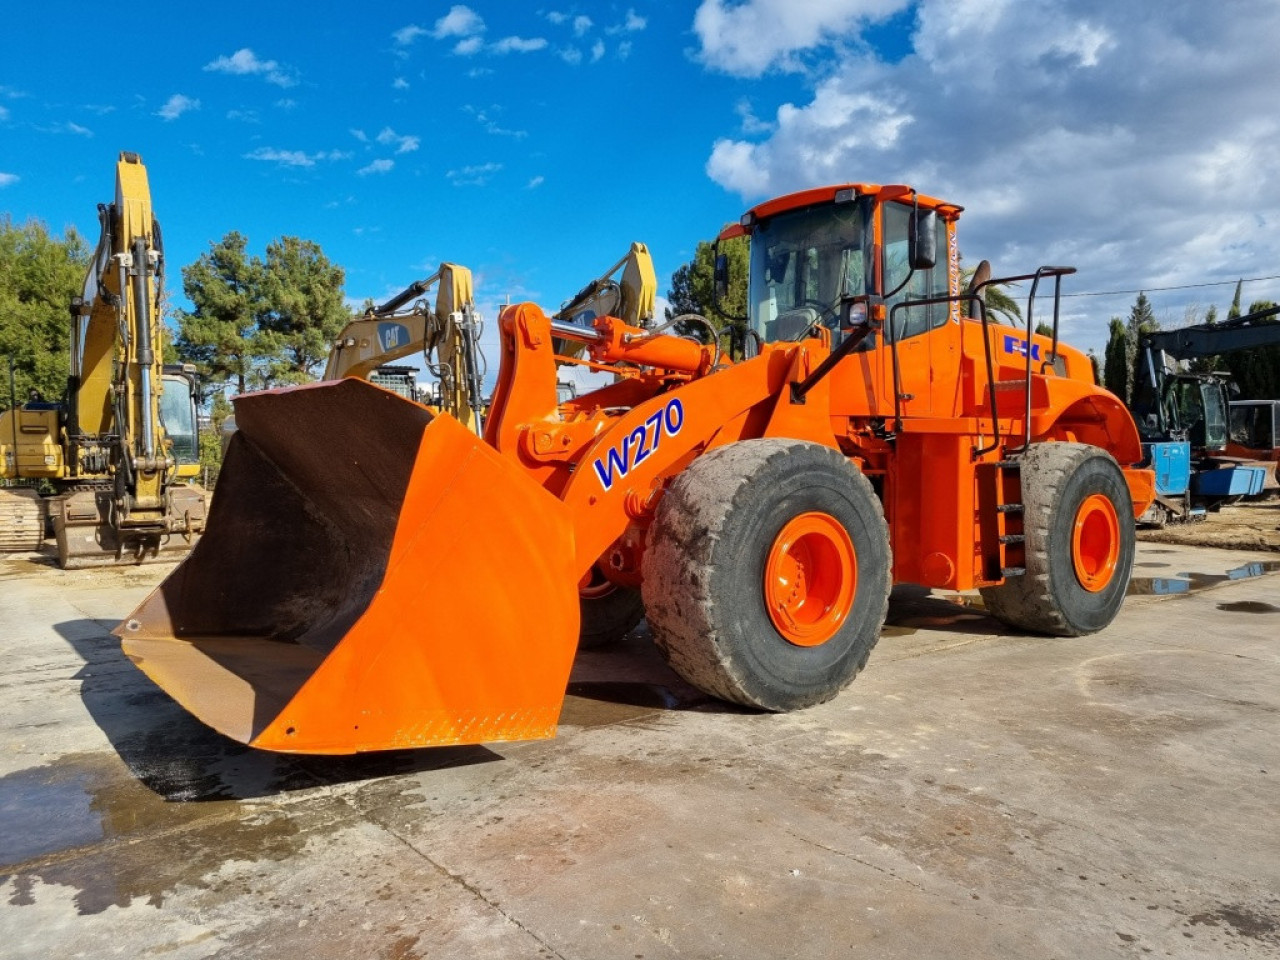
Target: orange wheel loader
[374, 577]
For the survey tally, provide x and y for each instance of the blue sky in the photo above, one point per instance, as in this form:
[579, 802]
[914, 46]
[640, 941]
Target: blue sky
[533, 142]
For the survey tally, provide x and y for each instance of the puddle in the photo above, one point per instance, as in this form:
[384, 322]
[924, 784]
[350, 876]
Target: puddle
[46, 810]
[1249, 606]
[77, 801]
[85, 822]
[1191, 582]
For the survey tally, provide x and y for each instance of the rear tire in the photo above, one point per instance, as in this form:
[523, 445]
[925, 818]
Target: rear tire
[1080, 540]
[767, 573]
[609, 612]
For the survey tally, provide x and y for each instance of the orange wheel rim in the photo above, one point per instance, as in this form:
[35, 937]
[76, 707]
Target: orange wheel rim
[1095, 542]
[595, 584]
[810, 579]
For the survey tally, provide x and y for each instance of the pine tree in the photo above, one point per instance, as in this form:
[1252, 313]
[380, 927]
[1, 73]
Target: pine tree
[1257, 371]
[39, 274]
[1117, 362]
[257, 322]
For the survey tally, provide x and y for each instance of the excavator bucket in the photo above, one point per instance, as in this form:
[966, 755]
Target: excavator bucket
[370, 578]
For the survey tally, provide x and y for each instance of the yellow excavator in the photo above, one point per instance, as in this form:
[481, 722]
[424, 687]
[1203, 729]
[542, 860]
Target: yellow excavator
[626, 291]
[448, 336]
[121, 451]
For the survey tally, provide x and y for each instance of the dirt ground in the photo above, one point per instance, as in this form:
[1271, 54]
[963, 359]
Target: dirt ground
[1241, 526]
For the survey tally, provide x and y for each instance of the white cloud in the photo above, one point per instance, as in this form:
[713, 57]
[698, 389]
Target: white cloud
[632, 24]
[403, 144]
[555, 16]
[4, 112]
[473, 176]
[570, 55]
[244, 62]
[359, 135]
[597, 50]
[399, 83]
[8, 179]
[747, 39]
[518, 45]
[285, 158]
[536, 182]
[750, 122]
[78, 130]
[460, 21]
[1137, 142]
[581, 24]
[381, 165]
[295, 158]
[406, 35]
[470, 45]
[244, 116]
[176, 106]
[491, 125]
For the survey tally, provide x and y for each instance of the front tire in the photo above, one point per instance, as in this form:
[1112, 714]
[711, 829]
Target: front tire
[1080, 541]
[767, 573]
[608, 611]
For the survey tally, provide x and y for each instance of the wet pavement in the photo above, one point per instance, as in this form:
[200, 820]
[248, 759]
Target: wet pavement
[975, 793]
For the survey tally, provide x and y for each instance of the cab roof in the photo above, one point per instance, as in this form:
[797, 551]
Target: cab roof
[820, 195]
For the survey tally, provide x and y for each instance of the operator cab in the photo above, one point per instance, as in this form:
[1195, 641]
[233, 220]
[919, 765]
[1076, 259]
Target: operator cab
[178, 402]
[814, 264]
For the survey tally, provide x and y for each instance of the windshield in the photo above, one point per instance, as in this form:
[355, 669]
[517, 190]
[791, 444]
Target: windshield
[802, 265]
[178, 414]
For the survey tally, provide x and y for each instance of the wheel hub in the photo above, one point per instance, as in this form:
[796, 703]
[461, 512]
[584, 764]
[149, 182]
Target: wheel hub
[810, 579]
[1095, 542]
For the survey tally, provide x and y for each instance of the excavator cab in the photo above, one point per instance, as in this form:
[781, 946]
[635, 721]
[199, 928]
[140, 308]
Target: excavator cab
[179, 396]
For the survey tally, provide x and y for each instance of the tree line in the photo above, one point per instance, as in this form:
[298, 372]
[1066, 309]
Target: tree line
[255, 322]
[262, 321]
[1255, 372]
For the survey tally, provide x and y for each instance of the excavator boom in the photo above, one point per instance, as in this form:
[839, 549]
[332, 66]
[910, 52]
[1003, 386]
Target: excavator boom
[107, 451]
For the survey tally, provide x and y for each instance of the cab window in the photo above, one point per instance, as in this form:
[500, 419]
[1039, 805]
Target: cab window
[924, 284]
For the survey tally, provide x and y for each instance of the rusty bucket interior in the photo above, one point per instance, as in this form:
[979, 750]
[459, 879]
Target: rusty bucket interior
[371, 577]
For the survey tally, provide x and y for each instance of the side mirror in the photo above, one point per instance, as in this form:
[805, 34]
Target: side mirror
[923, 239]
[721, 277]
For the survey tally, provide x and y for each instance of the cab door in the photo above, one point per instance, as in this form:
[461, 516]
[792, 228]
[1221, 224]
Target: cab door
[909, 326]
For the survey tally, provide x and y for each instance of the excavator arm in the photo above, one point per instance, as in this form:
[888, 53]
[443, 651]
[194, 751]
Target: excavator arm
[109, 453]
[451, 332]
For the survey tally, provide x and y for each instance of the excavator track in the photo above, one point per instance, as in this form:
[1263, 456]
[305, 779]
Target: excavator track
[22, 518]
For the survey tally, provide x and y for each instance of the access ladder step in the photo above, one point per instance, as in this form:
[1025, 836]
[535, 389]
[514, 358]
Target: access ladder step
[1009, 508]
[1007, 572]
[1009, 464]
[1012, 538]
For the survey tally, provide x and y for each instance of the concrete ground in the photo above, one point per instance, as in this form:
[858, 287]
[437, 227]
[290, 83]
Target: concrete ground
[975, 794]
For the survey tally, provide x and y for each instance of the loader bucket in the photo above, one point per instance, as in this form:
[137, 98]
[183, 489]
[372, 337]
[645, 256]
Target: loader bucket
[370, 577]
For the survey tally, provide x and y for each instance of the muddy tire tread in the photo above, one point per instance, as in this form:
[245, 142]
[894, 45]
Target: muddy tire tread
[1030, 601]
[681, 604]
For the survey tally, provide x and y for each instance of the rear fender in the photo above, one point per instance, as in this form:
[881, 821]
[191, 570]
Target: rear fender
[1089, 414]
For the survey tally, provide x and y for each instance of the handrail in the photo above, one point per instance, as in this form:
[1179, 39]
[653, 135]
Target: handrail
[974, 296]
